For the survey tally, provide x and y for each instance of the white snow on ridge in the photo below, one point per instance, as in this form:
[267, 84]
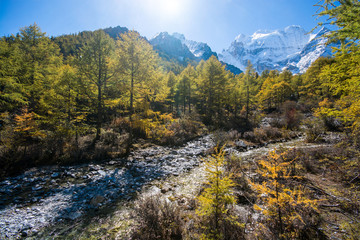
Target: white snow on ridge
[196, 48]
[289, 48]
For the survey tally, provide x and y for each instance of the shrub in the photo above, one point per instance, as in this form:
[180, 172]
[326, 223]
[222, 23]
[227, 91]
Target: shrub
[314, 129]
[291, 115]
[157, 219]
[182, 130]
[264, 134]
[222, 138]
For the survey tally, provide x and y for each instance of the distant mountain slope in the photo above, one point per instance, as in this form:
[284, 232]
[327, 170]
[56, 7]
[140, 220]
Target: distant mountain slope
[290, 48]
[200, 50]
[114, 32]
[170, 47]
[177, 47]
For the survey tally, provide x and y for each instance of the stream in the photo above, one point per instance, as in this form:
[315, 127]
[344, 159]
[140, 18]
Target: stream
[50, 195]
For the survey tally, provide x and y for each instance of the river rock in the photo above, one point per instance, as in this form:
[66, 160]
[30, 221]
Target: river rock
[74, 215]
[97, 200]
[55, 175]
[102, 173]
[165, 189]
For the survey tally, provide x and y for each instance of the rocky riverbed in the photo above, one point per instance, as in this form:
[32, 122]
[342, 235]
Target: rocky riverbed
[53, 195]
[42, 196]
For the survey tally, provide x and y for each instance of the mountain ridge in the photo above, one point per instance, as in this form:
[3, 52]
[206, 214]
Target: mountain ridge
[289, 48]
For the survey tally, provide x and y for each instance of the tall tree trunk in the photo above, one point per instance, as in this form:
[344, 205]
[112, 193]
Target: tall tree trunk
[99, 114]
[189, 101]
[247, 102]
[99, 105]
[184, 102]
[128, 147]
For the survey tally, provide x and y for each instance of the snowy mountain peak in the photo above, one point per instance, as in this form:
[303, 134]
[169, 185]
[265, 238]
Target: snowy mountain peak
[294, 28]
[279, 49]
[176, 45]
[199, 49]
[161, 35]
[179, 36]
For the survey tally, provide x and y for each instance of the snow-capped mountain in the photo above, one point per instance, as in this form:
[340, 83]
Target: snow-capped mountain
[199, 49]
[170, 47]
[290, 48]
[178, 47]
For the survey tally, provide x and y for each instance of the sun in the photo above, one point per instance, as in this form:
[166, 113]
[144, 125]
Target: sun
[171, 8]
[165, 9]
[165, 13]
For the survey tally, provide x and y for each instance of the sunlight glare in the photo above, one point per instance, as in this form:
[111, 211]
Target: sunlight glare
[165, 10]
[171, 8]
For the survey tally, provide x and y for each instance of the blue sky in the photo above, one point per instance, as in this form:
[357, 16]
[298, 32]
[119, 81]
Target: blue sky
[216, 22]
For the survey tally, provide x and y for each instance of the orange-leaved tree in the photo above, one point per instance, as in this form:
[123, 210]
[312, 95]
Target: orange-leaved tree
[289, 213]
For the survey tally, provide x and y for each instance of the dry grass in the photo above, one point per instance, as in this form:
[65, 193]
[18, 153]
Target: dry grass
[158, 219]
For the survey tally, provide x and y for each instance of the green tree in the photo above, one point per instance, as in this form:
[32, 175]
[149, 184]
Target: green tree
[36, 69]
[12, 94]
[341, 77]
[186, 86]
[95, 63]
[139, 71]
[70, 116]
[345, 16]
[171, 84]
[212, 85]
[250, 87]
[314, 88]
[138, 67]
[215, 200]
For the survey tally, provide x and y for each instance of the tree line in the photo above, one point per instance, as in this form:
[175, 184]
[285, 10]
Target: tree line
[57, 90]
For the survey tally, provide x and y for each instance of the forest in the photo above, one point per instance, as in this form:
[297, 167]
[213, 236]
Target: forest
[86, 97]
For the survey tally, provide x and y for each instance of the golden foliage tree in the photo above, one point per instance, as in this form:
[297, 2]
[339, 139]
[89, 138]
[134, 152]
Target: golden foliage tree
[286, 208]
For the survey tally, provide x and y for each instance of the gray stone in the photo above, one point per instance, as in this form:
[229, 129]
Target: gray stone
[37, 188]
[55, 175]
[102, 173]
[96, 201]
[74, 215]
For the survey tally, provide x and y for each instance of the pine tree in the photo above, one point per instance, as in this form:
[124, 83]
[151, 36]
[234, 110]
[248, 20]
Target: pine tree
[286, 208]
[344, 15]
[341, 76]
[212, 85]
[186, 86]
[95, 61]
[138, 70]
[216, 200]
[12, 95]
[171, 84]
[137, 64]
[40, 60]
